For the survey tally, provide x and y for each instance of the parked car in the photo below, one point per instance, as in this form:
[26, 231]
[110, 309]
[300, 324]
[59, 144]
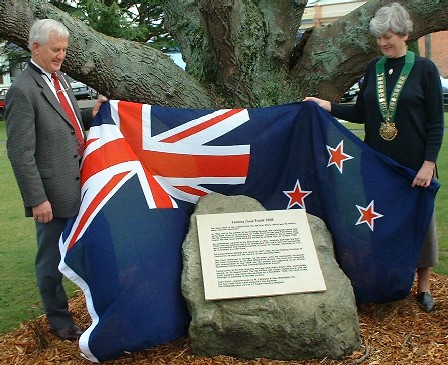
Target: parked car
[81, 90]
[2, 101]
[351, 93]
[444, 89]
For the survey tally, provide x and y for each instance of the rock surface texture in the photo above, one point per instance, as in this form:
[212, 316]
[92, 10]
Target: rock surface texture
[285, 327]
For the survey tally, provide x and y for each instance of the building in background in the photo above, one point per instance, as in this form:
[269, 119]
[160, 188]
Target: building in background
[435, 47]
[323, 12]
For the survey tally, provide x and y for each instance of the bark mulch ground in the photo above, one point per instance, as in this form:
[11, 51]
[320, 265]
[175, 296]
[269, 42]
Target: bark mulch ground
[394, 333]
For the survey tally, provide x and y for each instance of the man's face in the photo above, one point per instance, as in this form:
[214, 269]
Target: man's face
[49, 56]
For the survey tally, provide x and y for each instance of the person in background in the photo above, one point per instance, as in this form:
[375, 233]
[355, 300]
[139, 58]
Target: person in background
[45, 142]
[401, 105]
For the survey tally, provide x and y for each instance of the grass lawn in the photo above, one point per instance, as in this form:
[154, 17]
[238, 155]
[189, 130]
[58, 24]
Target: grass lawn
[19, 299]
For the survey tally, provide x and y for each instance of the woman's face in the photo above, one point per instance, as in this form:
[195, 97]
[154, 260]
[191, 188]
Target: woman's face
[392, 45]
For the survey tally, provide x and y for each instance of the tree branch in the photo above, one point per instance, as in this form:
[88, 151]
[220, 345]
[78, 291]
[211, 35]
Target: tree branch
[338, 53]
[283, 19]
[117, 68]
[238, 52]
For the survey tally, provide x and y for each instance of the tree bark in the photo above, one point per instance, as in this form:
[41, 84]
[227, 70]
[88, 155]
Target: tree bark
[117, 68]
[238, 52]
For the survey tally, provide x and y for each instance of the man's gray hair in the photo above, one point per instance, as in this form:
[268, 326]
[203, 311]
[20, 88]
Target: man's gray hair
[41, 29]
[393, 17]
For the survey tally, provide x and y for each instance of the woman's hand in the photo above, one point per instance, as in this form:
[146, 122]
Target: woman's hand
[424, 175]
[324, 104]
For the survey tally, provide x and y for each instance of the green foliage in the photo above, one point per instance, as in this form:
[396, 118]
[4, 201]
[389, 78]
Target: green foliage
[15, 56]
[111, 20]
[136, 21]
[140, 22]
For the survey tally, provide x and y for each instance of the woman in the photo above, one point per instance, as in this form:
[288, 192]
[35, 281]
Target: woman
[403, 119]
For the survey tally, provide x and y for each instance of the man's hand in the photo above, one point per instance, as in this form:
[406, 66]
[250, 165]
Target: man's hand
[43, 212]
[97, 105]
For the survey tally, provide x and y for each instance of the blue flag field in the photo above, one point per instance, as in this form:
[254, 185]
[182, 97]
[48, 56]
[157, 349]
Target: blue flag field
[146, 166]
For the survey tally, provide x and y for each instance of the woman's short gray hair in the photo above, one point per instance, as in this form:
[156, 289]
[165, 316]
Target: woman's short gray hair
[41, 29]
[393, 17]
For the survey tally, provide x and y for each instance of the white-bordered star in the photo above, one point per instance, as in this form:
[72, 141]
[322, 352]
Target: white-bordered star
[297, 196]
[368, 215]
[337, 156]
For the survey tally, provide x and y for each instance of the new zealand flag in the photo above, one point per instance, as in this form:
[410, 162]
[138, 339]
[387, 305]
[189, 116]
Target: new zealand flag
[145, 167]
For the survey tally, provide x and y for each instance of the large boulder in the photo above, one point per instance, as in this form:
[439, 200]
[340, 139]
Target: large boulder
[284, 327]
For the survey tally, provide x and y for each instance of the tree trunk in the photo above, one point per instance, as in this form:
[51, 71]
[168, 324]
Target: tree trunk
[238, 52]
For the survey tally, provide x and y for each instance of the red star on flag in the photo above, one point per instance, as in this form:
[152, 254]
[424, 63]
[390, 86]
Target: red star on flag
[337, 156]
[297, 196]
[368, 215]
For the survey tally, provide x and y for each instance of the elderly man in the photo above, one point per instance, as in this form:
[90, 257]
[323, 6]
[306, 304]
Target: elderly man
[45, 143]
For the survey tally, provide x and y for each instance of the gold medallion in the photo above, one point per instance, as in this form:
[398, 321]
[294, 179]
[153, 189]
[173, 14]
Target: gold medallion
[388, 131]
